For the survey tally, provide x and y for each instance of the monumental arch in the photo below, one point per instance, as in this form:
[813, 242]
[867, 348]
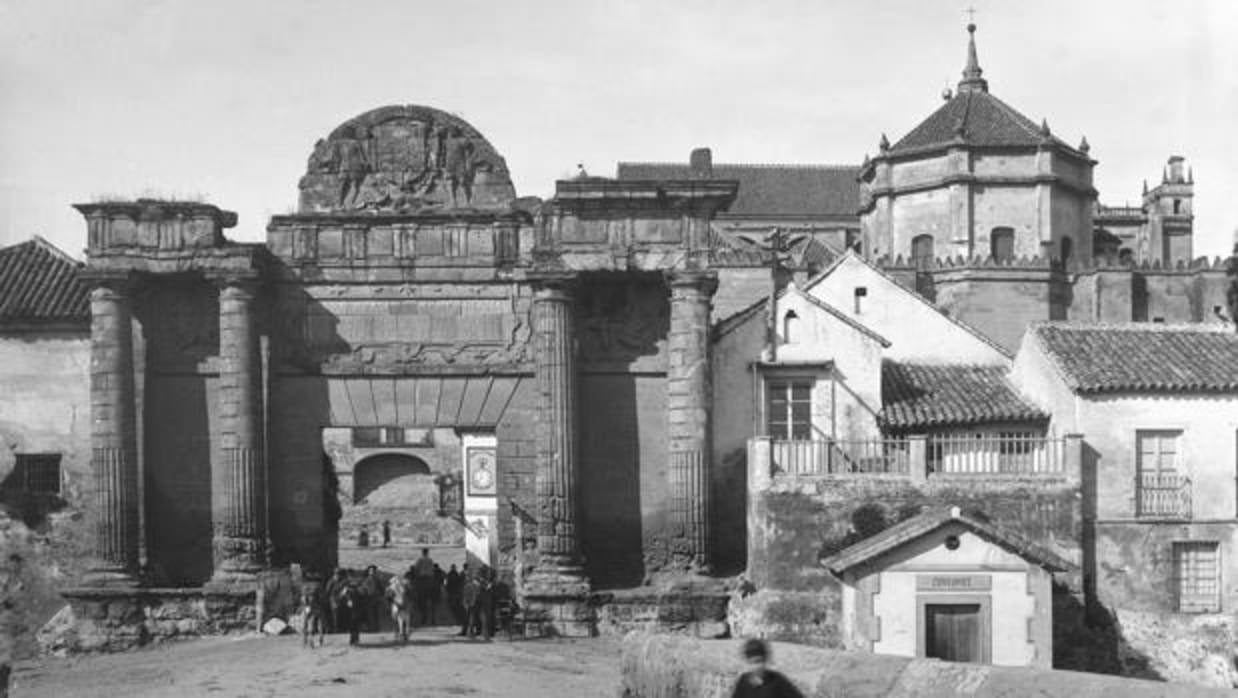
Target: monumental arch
[411, 290]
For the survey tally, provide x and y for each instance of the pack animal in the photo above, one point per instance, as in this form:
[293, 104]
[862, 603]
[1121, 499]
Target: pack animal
[313, 617]
[399, 599]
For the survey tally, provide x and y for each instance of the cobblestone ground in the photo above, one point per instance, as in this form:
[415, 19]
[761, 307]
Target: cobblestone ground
[434, 663]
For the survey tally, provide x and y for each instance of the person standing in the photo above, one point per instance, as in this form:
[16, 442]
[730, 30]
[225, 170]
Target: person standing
[453, 584]
[371, 593]
[363, 537]
[485, 603]
[436, 593]
[760, 681]
[468, 600]
[423, 586]
[333, 591]
[386, 533]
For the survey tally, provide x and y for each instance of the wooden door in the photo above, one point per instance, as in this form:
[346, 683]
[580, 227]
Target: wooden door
[952, 632]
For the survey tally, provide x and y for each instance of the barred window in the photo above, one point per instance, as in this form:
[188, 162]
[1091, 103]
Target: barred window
[1197, 578]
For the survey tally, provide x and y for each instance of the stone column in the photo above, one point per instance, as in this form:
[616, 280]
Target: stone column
[239, 476]
[113, 437]
[554, 340]
[689, 392]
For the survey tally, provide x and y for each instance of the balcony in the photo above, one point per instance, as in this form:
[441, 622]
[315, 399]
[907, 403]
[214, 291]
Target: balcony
[923, 457]
[840, 457]
[1163, 496]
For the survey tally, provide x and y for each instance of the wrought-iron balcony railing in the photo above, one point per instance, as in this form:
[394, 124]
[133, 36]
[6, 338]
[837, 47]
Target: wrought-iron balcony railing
[1163, 496]
[831, 457]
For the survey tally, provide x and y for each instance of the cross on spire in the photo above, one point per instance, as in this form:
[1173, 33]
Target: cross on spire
[972, 82]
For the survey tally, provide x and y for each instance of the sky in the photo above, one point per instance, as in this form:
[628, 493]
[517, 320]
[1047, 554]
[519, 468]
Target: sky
[222, 101]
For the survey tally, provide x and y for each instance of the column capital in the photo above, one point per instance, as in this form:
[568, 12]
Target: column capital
[248, 284]
[104, 285]
[703, 280]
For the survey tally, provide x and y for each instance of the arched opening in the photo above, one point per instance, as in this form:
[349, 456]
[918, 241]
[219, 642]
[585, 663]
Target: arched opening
[922, 251]
[393, 479]
[1001, 244]
[790, 327]
[1067, 247]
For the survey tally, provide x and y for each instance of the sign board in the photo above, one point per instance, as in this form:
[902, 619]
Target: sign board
[953, 582]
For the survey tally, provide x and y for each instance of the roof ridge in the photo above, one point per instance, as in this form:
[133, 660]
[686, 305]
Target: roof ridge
[1136, 326]
[758, 165]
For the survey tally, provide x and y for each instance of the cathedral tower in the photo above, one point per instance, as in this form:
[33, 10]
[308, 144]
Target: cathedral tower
[1168, 235]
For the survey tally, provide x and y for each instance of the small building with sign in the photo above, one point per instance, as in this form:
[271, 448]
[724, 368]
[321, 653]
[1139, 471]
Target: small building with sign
[948, 584]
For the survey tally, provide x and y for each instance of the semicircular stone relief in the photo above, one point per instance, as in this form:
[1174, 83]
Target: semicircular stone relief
[404, 159]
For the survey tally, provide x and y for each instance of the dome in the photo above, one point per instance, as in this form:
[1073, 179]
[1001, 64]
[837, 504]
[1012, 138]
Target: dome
[404, 159]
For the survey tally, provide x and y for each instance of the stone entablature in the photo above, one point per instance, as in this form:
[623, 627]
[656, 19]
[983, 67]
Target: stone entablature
[150, 224]
[399, 240]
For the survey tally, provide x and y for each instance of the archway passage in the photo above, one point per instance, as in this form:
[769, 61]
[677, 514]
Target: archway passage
[394, 479]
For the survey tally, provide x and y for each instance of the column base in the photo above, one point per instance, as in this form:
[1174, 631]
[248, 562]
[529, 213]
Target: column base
[111, 578]
[556, 602]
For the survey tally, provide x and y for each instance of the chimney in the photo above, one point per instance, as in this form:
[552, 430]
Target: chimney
[701, 162]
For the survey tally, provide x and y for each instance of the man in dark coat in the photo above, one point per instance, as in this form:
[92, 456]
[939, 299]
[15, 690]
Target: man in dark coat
[371, 600]
[760, 681]
[335, 587]
[453, 584]
[468, 600]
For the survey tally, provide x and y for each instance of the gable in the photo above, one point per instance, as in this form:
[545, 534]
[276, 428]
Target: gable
[903, 317]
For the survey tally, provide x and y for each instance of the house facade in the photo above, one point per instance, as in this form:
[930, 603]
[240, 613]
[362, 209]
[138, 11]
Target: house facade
[1158, 406]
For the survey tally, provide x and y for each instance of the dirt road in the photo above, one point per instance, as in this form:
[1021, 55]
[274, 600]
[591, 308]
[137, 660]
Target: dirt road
[434, 663]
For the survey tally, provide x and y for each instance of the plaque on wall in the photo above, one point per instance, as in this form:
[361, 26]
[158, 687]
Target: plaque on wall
[481, 472]
[954, 582]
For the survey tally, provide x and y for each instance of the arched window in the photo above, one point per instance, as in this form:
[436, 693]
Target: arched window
[1177, 206]
[790, 327]
[1068, 247]
[922, 251]
[1001, 244]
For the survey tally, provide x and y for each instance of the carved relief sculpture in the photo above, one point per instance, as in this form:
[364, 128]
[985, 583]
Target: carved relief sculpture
[404, 160]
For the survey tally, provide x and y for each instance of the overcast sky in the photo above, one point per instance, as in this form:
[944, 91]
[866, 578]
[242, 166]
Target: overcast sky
[223, 100]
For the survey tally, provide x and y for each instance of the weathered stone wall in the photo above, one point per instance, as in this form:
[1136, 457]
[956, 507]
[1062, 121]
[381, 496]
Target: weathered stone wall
[106, 620]
[662, 666]
[1002, 301]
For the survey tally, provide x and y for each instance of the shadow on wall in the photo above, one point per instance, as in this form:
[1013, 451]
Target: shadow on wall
[1087, 637]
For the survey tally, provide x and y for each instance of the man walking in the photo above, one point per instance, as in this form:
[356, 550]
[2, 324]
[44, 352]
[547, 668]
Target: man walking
[468, 599]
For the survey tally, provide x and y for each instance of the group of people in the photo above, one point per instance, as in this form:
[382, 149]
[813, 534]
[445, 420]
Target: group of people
[476, 598]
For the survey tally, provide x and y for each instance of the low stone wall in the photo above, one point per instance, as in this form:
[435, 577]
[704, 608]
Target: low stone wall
[699, 613]
[664, 666]
[111, 620]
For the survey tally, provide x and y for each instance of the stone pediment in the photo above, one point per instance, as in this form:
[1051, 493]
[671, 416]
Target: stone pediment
[404, 159]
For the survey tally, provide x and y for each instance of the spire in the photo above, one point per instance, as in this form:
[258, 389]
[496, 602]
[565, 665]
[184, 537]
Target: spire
[972, 82]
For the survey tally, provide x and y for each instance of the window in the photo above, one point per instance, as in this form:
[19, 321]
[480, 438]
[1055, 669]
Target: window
[1177, 206]
[1001, 244]
[790, 327]
[853, 240]
[1162, 490]
[1068, 248]
[789, 408]
[860, 292]
[35, 473]
[922, 251]
[1197, 576]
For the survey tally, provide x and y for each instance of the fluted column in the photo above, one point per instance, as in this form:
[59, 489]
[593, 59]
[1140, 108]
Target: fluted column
[558, 533]
[239, 477]
[689, 391]
[113, 437]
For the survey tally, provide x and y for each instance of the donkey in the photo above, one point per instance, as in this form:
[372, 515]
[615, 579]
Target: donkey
[399, 597]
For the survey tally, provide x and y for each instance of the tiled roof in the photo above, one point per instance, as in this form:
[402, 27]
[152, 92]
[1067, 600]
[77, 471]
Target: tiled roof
[817, 190]
[1143, 357]
[39, 283]
[918, 396]
[924, 524]
[985, 121]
